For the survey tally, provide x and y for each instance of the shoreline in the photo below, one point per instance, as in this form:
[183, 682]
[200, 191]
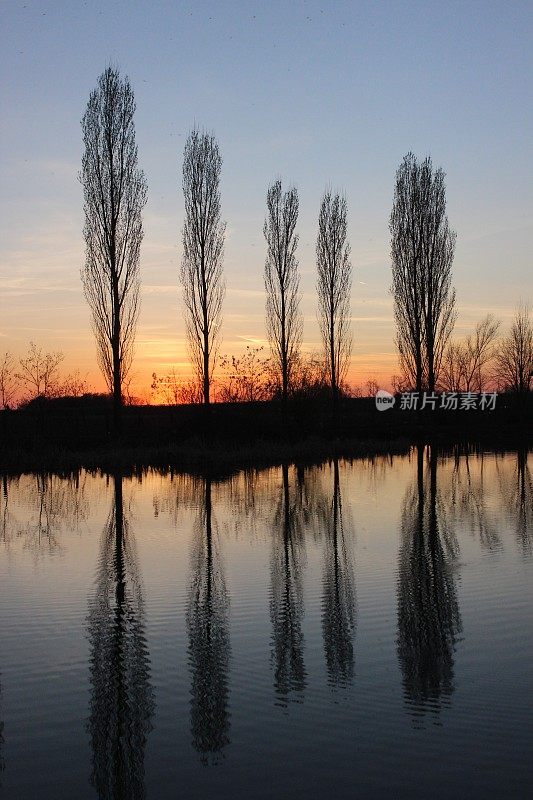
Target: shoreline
[226, 438]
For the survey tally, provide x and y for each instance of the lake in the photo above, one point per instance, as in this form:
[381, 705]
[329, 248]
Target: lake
[354, 629]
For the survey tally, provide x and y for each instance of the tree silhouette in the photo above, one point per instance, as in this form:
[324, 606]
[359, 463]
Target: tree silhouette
[203, 245]
[114, 190]
[8, 381]
[209, 644]
[334, 283]
[514, 357]
[283, 320]
[122, 702]
[422, 249]
[39, 373]
[465, 364]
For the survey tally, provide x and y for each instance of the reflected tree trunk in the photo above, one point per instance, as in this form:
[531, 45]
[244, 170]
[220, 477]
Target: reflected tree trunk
[428, 611]
[5, 512]
[209, 641]
[286, 601]
[122, 702]
[338, 600]
[524, 503]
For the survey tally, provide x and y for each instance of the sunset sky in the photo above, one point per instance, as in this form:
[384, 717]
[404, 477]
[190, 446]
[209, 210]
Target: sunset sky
[317, 93]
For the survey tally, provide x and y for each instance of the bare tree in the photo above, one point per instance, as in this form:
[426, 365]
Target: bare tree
[284, 323]
[247, 378]
[203, 247]
[453, 368]
[114, 190]
[514, 359]
[334, 282]
[372, 387]
[309, 376]
[465, 364]
[74, 385]
[8, 381]
[171, 390]
[480, 351]
[167, 388]
[422, 250]
[39, 373]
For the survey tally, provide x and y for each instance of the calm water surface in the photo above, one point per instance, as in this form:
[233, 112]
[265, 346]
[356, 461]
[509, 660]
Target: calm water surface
[351, 630]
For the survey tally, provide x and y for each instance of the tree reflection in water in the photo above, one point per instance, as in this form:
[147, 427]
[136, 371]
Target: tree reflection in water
[208, 630]
[122, 701]
[516, 486]
[428, 612]
[338, 601]
[50, 504]
[286, 599]
[6, 523]
[464, 498]
[523, 497]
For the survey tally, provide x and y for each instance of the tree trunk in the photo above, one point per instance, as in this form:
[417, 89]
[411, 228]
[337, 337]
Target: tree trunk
[418, 358]
[284, 359]
[117, 384]
[119, 540]
[431, 350]
[205, 326]
[206, 368]
[209, 542]
[334, 388]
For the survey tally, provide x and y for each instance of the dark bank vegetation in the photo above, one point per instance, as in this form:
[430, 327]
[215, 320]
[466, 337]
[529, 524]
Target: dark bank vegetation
[78, 432]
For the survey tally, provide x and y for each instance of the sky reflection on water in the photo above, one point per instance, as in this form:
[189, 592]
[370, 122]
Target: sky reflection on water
[362, 623]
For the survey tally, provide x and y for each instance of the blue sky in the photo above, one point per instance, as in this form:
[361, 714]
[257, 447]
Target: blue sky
[316, 93]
